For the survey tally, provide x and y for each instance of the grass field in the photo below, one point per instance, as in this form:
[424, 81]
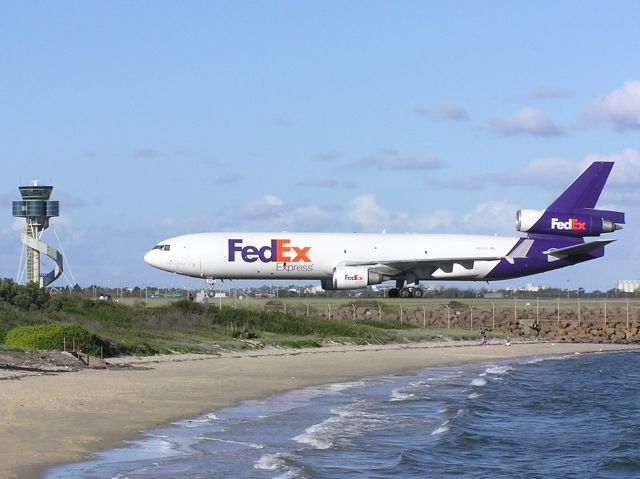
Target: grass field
[164, 326]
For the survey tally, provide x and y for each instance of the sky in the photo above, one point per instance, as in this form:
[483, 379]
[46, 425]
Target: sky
[154, 119]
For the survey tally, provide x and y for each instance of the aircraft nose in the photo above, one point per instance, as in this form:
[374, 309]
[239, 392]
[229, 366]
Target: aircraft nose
[151, 258]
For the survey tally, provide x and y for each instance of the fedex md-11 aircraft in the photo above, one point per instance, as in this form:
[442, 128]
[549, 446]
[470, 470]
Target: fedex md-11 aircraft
[554, 239]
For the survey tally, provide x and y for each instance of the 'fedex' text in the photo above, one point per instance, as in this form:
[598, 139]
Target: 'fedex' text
[277, 251]
[573, 225]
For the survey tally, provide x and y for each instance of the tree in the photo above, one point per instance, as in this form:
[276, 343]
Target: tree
[31, 296]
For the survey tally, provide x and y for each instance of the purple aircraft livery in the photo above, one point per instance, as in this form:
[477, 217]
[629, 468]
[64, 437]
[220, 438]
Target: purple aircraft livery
[555, 238]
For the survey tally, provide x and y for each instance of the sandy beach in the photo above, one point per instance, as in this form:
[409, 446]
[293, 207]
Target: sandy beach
[63, 417]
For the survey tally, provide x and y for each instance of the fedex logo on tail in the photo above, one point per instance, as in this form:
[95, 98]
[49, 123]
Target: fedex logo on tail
[572, 224]
[277, 251]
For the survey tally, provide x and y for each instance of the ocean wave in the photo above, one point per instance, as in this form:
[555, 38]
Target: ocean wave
[418, 384]
[270, 462]
[443, 428]
[348, 422]
[479, 382]
[398, 395]
[198, 421]
[336, 387]
[249, 445]
[291, 474]
[540, 359]
[474, 395]
[318, 436]
[498, 370]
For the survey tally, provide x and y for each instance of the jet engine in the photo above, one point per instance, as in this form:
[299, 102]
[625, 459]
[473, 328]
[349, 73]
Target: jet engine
[586, 222]
[351, 277]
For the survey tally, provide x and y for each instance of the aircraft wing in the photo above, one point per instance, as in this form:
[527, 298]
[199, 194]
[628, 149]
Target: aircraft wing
[394, 267]
[427, 266]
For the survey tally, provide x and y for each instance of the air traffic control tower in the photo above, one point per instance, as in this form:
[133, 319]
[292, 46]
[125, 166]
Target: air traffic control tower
[36, 208]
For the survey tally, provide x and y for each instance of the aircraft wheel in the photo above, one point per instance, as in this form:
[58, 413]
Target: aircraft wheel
[417, 292]
[393, 293]
[404, 293]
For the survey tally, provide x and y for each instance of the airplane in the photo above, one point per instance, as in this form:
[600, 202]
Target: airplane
[554, 239]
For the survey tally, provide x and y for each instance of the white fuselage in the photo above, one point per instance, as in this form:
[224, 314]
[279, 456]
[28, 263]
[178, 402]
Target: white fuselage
[316, 255]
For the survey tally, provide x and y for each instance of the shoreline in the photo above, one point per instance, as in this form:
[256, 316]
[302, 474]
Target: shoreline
[50, 420]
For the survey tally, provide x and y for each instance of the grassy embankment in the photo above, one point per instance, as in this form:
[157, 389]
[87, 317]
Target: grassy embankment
[183, 326]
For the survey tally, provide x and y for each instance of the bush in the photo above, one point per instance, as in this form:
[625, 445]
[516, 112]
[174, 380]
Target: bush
[457, 305]
[52, 337]
[26, 297]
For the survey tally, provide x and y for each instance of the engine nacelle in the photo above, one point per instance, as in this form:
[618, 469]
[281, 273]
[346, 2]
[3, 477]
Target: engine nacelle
[351, 277]
[526, 219]
[566, 224]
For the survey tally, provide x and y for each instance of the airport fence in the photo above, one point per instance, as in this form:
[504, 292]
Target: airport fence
[468, 314]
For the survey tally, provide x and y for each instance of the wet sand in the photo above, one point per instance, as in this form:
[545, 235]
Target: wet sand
[60, 418]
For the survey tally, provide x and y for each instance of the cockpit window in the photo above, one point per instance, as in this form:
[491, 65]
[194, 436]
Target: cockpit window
[162, 247]
[167, 247]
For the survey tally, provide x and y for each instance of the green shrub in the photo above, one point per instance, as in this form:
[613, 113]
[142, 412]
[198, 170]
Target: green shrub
[457, 305]
[26, 297]
[52, 337]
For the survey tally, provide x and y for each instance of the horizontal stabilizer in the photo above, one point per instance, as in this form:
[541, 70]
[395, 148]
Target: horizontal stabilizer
[579, 249]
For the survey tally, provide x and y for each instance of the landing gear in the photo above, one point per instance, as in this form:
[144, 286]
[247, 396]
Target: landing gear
[405, 293]
[401, 291]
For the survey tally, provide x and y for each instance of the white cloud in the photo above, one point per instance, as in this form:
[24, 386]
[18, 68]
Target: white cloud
[490, 217]
[228, 179]
[556, 173]
[618, 199]
[447, 110]
[527, 121]
[147, 153]
[499, 214]
[620, 109]
[272, 200]
[326, 156]
[329, 183]
[10, 230]
[546, 172]
[66, 230]
[625, 173]
[393, 160]
[368, 215]
[281, 122]
[271, 213]
[544, 92]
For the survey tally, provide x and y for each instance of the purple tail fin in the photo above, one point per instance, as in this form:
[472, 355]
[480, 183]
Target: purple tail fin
[573, 213]
[585, 190]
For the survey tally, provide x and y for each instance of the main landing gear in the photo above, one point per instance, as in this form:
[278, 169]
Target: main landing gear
[401, 291]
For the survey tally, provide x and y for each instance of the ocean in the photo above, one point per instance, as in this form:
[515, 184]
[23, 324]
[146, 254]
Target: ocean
[538, 417]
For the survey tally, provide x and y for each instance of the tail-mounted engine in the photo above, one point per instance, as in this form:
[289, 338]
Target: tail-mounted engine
[586, 222]
[351, 277]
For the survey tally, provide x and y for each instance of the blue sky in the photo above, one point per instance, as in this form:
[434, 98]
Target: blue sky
[154, 119]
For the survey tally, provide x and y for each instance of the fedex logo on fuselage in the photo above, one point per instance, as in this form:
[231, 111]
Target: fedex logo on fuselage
[277, 251]
[572, 224]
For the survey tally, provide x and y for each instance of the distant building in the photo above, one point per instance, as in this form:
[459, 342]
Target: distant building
[313, 290]
[628, 285]
[532, 288]
[493, 295]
